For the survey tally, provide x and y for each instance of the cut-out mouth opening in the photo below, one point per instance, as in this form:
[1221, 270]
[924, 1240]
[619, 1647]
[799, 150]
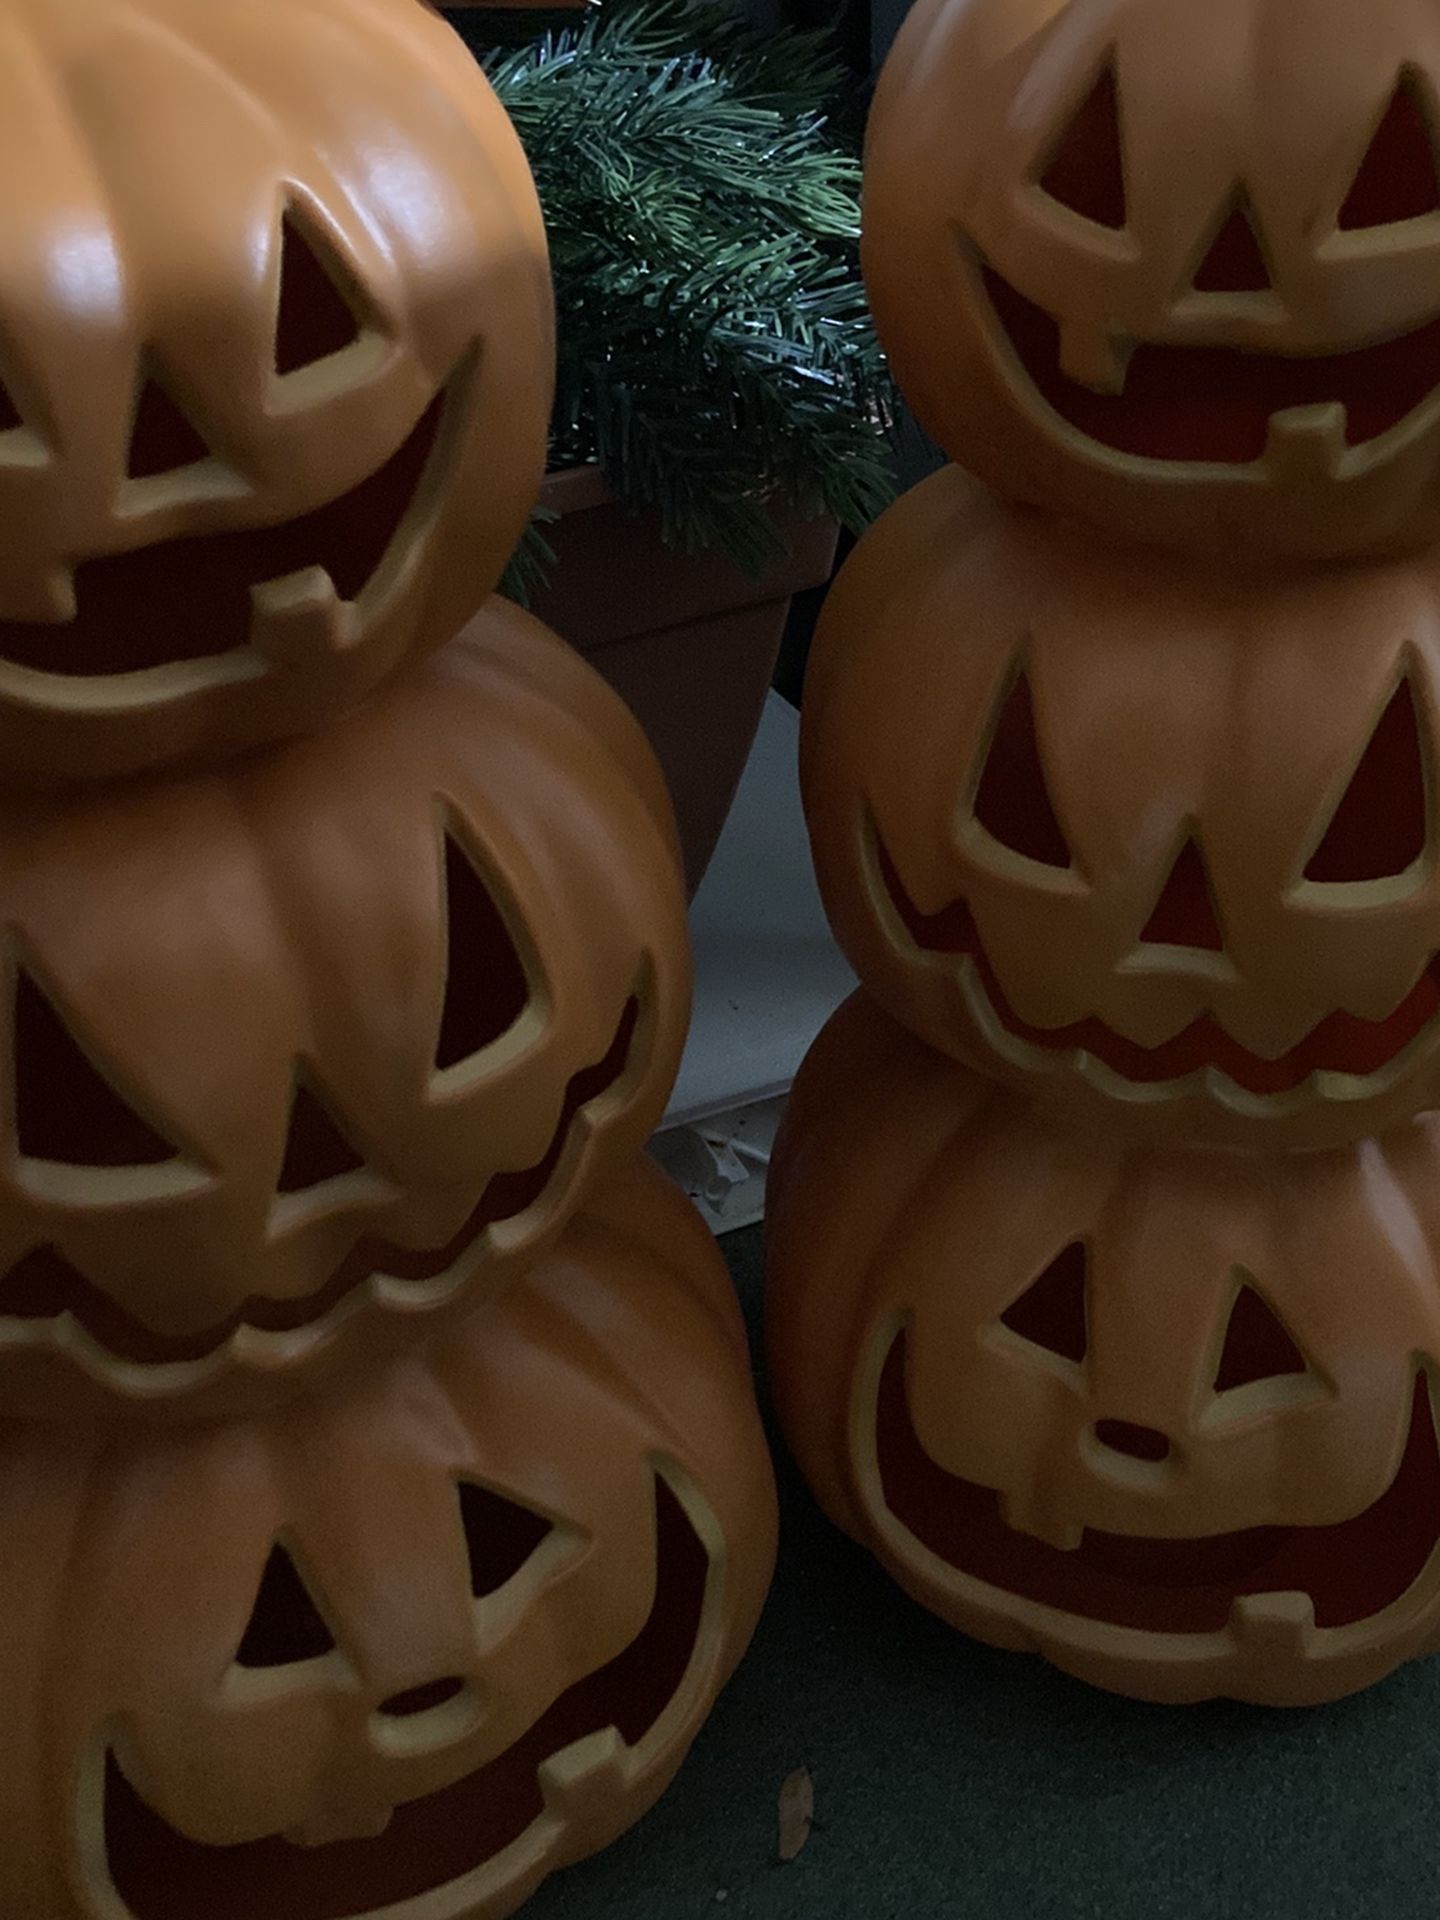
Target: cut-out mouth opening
[1350, 1571]
[432, 1843]
[1341, 1044]
[200, 597]
[1218, 405]
[45, 1286]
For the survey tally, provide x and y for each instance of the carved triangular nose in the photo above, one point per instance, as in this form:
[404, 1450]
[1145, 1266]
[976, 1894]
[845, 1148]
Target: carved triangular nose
[1135, 1442]
[432, 1715]
[420, 1700]
[1235, 262]
[1185, 914]
[162, 439]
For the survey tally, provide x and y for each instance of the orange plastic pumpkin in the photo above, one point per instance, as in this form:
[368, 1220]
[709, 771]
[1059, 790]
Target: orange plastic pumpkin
[405, 1646]
[307, 1049]
[1172, 268]
[1165, 1416]
[1135, 832]
[275, 367]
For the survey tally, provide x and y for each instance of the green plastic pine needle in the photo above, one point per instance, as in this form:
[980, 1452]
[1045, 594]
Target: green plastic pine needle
[715, 348]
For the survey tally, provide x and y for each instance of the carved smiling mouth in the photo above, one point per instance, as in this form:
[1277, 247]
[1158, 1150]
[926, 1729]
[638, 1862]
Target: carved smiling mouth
[433, 1844]
[45, 1287]
[246, 594]
[1342, 1050]
[1223, 405]
[1347, 1572]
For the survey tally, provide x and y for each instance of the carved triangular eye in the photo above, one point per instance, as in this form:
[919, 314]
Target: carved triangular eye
[1051, 1311]
[162, 440]
[316, 1149]
[317, 312]
[1012, 801]
[1258, 1346]
[1379, 828]
[1399, 178]
[1185, 914]
[285, 1625]
[1235, 262]
[499, 1537]
[486, 986]
[10, 416]
[65, 1109]
[1085, 170]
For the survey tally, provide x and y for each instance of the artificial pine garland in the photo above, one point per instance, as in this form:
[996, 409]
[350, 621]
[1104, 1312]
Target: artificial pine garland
[714, 344]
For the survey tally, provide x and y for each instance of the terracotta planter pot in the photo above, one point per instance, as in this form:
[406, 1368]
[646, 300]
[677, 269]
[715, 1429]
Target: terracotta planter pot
[690, 641]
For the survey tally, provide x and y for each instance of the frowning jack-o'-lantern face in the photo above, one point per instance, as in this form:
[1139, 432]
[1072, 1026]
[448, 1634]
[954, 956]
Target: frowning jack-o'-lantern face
[1172, 269]
[409, 1645]
[303, 1052]
[1165, 845]
[275, 342]
[1166, 1416]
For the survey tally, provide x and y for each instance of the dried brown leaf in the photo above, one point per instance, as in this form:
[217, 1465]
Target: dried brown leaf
[797, 1813]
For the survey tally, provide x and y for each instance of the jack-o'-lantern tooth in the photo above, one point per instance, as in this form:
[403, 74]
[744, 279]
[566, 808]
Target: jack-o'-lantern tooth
[1307, 444]
[588, 1774]
[1092, 355]
[1022, 1513]
[300, 617]
[1278, 1624]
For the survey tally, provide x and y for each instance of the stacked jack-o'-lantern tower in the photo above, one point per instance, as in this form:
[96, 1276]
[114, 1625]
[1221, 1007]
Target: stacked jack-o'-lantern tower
[382, 1500]
[1106, 1228]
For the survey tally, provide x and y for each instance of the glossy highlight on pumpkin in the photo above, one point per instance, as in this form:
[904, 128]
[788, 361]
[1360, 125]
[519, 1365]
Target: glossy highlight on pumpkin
[275, 369]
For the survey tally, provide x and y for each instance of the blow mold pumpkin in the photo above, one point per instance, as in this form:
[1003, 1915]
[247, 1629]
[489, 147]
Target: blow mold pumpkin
[403, 1647]
[1143, 836]
[303, 1051]
[1164, 1416]
[1174, 269]
[275, 367]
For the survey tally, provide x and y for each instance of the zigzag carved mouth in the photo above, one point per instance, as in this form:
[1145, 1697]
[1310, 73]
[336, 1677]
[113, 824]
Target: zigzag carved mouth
[431, 1843]
[45, 1286]
[1341, 1044]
